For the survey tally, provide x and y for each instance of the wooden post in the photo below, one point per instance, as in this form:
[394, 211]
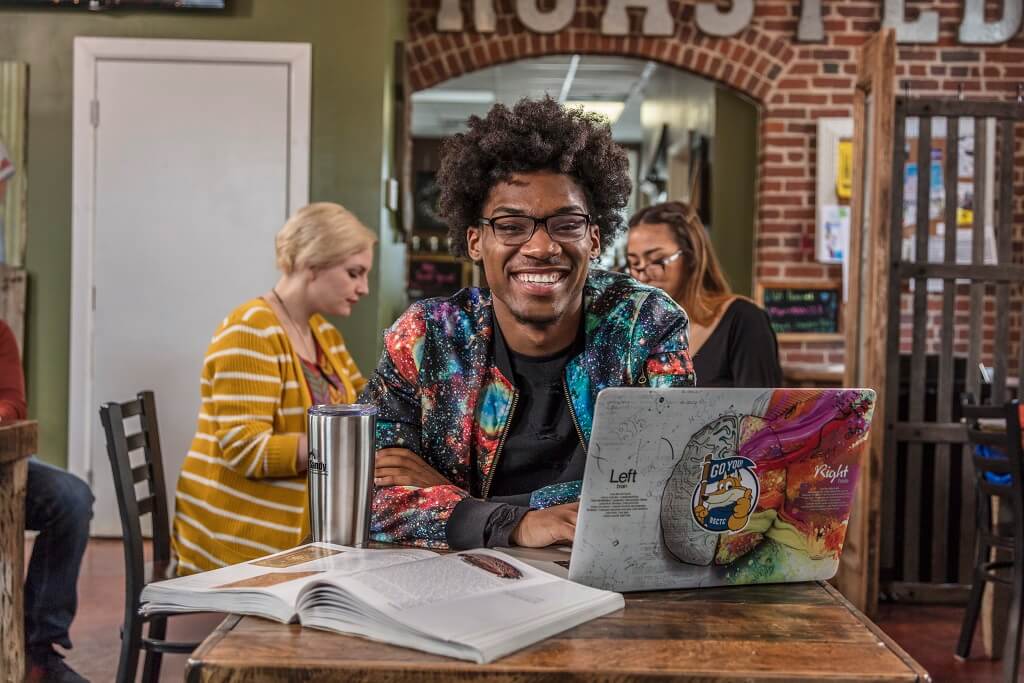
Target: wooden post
[17, 443]
[866, 312]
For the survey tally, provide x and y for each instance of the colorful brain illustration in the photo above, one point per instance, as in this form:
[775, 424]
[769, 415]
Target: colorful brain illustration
[786, 474]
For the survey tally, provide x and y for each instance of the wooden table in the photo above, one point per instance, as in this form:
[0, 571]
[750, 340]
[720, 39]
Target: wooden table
[788, 632]
[813, 374]
[17, 443]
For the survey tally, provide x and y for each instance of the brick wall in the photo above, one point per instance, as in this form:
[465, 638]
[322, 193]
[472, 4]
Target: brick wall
[794, 84]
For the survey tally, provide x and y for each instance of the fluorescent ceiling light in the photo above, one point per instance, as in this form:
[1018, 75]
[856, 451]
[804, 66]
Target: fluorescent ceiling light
[442, 96]
[609, 110]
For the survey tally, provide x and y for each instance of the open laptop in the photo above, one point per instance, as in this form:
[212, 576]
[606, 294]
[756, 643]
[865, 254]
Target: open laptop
[709, 487]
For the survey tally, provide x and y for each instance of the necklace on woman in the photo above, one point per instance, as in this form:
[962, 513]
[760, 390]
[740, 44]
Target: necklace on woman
[295, 325]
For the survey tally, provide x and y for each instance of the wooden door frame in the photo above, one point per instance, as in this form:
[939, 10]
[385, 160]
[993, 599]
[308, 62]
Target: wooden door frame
[88, 52]
[868, 302]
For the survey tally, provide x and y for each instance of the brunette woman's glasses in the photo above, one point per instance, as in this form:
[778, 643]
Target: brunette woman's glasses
[655, 270]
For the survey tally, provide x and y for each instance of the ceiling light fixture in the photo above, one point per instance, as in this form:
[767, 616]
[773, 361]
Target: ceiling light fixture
[449, 96]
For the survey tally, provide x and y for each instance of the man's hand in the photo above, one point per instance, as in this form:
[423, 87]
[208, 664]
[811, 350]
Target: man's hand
[402, 467]
[539, 528]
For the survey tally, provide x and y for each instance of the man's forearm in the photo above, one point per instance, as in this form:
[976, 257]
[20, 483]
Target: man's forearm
[476, 523]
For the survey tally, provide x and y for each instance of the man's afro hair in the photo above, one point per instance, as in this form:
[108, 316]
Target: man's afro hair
[534, 135]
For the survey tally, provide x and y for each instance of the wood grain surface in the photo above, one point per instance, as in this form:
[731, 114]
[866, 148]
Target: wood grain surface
[786, 632]
[17, 443]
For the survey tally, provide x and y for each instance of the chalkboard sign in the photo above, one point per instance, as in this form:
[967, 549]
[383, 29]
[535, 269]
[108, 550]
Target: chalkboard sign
[433, 275]
[802, 310]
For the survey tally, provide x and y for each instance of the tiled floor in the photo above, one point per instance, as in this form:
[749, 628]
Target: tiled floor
[928, 633]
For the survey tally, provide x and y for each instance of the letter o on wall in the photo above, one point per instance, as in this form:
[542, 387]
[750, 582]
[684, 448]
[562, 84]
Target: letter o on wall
[545, 22]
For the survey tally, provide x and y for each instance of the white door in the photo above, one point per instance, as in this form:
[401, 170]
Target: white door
[193, 168]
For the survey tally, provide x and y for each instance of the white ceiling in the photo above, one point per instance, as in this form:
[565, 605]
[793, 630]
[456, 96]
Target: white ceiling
[443, 109]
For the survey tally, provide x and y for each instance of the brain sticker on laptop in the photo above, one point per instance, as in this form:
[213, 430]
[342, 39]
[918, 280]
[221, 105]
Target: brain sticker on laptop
[784, 471]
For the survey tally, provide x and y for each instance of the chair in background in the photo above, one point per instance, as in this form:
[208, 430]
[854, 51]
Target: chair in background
[133, 508]
[996, 454]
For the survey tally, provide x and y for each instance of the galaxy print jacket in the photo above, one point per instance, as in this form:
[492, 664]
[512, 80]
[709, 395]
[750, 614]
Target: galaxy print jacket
[440, 393]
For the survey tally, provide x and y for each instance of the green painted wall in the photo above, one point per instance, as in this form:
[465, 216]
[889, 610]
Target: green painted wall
[353, 48]
[733, 189]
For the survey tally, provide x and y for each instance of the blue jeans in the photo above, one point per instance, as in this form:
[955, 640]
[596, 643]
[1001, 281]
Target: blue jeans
[59, 506]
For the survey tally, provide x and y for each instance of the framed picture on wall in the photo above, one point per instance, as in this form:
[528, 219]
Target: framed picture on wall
[833, 189]
[97, 5]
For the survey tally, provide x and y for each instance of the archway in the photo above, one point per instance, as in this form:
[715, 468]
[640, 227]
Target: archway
[689, 138]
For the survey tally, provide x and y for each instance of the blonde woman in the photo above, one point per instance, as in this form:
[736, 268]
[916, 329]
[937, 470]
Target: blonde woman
[242, 489]
[731, 339]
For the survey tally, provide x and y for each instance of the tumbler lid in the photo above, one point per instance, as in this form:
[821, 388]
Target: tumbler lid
[344, 410]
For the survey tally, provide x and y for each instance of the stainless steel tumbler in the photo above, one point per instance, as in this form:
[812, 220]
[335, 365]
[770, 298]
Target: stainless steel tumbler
[341, 451]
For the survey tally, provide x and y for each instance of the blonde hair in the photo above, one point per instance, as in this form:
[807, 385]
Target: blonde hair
[705, 288]
[320, 235]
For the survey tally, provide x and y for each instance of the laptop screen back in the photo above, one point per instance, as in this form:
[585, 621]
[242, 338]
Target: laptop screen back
[710, 487]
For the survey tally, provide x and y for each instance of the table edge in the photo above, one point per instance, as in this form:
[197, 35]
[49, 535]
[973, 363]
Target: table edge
[194, 666]
[28, 427]
[904, 656]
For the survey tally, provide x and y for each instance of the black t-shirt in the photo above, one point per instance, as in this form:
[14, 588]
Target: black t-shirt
[542, 437]
[741, 352]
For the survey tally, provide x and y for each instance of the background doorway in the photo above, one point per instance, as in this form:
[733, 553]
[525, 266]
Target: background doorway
[188, 157]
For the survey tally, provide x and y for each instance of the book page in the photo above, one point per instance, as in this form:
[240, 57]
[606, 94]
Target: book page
[446, 578]
[281, 575]
[465, 597]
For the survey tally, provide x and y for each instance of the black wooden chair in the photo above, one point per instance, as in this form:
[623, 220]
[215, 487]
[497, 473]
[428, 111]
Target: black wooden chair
[138, 572]
[997, 478]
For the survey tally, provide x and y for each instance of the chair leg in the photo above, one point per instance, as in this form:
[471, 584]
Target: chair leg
[151, 665]
[1011, 650]
[970, 624]
[131, 641]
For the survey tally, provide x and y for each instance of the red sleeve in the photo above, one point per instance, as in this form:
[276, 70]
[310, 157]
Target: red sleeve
[12, 380]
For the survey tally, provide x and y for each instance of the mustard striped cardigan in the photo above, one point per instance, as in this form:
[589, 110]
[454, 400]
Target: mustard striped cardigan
[239, 495]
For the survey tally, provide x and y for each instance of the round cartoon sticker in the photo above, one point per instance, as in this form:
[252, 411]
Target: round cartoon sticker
[726, 494]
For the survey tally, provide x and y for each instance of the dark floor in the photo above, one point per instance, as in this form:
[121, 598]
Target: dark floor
[928, 633]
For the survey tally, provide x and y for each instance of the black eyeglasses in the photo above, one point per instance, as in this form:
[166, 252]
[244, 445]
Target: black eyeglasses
[564, 228]
[655, 270]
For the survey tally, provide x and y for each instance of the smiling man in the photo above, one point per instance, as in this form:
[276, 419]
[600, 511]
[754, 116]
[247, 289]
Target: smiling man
[486, 398]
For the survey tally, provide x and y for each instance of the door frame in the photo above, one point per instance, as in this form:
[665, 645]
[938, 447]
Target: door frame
[88, 52]
[867, 304]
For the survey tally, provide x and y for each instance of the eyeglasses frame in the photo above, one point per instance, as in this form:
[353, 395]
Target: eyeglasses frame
[484, 220]
[663, 261]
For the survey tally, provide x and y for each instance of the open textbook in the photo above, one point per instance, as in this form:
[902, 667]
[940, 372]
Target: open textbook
[476, 605]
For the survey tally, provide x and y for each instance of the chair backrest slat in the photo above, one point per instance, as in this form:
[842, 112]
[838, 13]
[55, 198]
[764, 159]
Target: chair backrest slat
[131, 408]
[992, 465]
[136, 442]
[141, 473]
[146, 505]
[995, 439]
